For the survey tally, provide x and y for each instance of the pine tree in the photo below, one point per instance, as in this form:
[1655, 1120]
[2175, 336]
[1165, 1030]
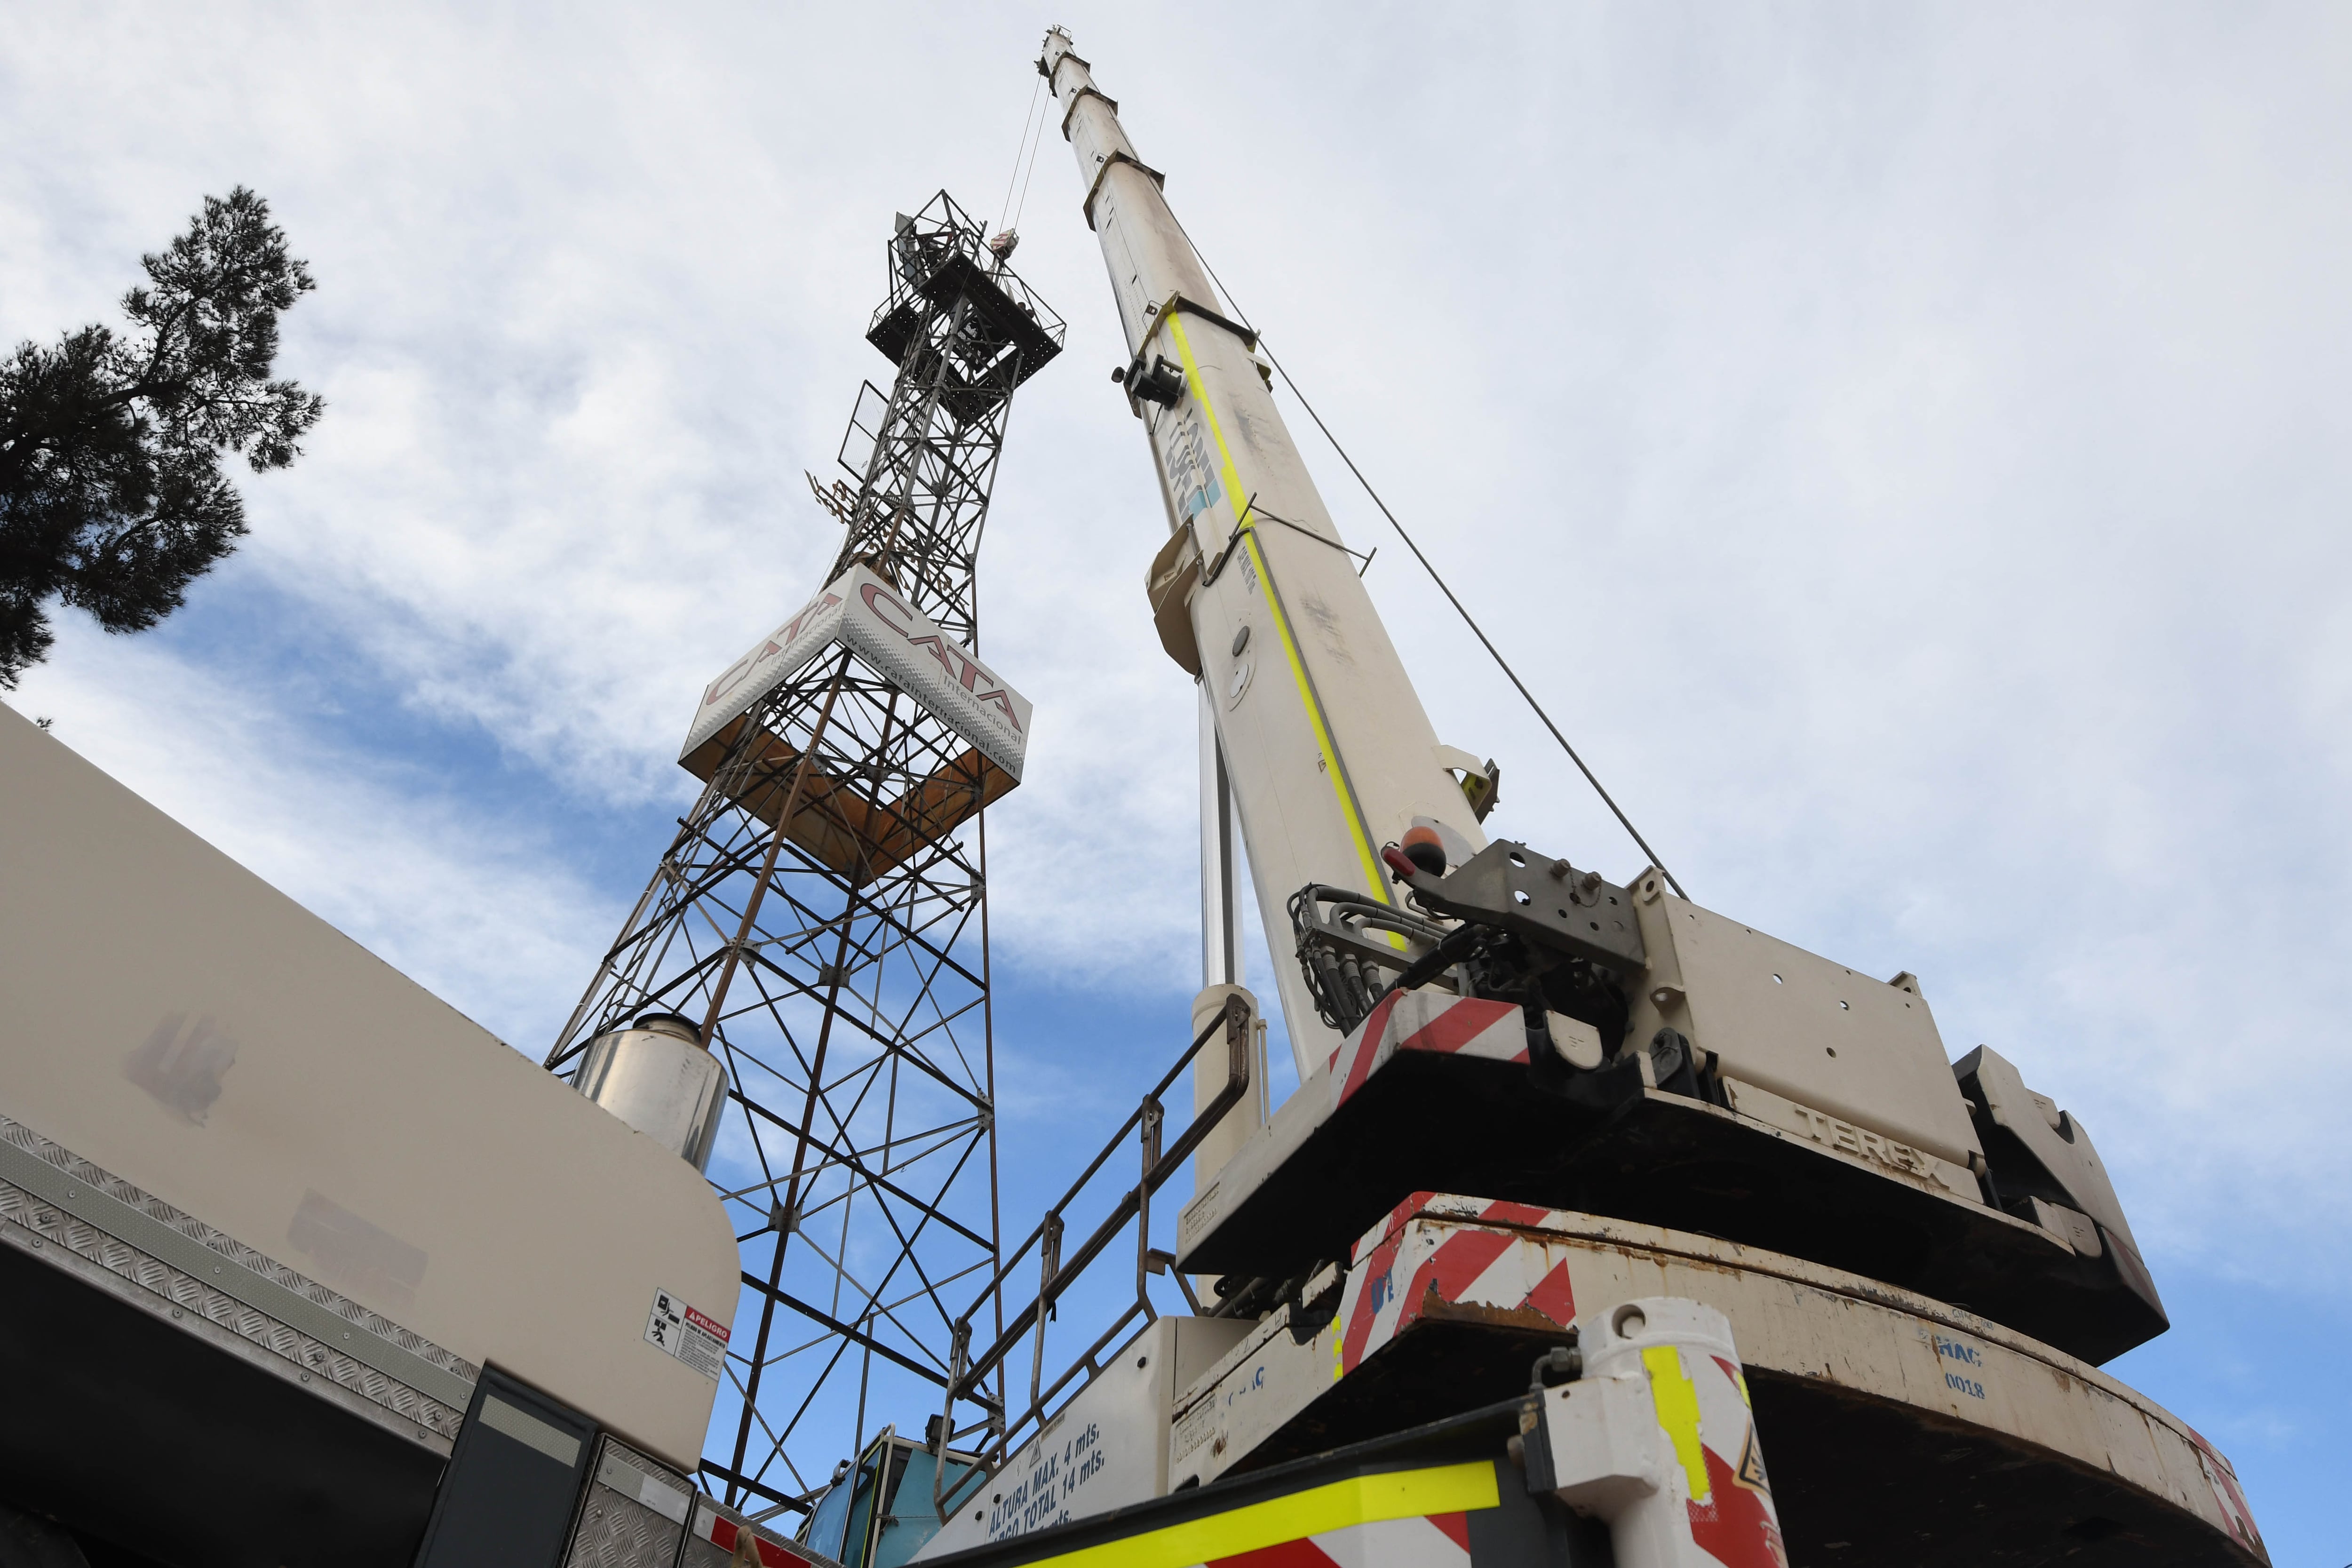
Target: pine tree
[111, 495]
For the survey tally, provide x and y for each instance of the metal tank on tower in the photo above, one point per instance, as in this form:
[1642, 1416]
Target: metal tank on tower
[800, 1000]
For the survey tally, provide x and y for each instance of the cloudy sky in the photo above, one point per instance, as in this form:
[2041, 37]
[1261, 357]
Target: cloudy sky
[1906, 447]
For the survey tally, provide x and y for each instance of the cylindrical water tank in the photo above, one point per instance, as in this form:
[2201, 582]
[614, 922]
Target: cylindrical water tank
[657, 1077]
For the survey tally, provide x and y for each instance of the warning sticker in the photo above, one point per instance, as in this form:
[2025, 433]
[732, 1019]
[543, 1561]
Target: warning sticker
[1751, 1473]
[694, 1338]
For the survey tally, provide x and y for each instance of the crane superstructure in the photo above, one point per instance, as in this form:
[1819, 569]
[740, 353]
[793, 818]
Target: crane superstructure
[1544, 1118]
[1392, 920]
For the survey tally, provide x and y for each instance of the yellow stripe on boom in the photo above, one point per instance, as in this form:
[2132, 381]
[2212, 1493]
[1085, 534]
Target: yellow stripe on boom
[1349, 811]
[1677, 1400]
[1359, 1500]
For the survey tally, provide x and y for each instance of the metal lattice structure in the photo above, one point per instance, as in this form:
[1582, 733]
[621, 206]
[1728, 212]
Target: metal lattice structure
[822, 914]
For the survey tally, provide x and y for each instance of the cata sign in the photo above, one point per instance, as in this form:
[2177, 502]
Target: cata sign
[862, 611]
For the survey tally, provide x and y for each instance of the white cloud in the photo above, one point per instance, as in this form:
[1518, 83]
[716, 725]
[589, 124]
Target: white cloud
[1906, 449]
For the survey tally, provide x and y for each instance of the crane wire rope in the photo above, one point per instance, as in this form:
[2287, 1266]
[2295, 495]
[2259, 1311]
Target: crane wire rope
[1026, 118]
[1468, 619]
[1018, 207]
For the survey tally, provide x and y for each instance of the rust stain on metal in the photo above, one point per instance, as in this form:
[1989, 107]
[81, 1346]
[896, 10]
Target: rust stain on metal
[1434, 1308]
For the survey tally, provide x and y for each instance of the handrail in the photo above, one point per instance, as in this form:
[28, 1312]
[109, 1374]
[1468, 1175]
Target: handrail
[967, 1372]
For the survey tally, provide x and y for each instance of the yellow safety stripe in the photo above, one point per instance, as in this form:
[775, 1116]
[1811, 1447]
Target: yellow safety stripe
[1342, 789]
[1677, 1400]
[1359, 1500]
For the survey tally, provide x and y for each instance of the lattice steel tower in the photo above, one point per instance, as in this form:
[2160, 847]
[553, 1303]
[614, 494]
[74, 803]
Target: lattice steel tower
[821, 917]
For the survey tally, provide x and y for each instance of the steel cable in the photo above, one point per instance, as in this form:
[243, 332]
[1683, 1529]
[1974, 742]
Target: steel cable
[1005, 205]
[1468, 619]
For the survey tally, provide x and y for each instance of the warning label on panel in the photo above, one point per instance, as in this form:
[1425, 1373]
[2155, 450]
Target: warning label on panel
[695, 1338]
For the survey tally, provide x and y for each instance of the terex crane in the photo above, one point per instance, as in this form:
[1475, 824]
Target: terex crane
[1550, 1123]
[1586, 1194]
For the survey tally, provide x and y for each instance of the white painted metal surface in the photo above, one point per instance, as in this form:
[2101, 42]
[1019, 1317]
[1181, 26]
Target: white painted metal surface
[1657, 1439]
[1330, 751]
[1107, 1449]
[1811, 1032]
[194, 1032]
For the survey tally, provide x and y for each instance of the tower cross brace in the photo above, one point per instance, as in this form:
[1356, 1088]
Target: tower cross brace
[822, 918]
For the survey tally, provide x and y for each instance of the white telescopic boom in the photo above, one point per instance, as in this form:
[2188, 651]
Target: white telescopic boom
[1330, 752]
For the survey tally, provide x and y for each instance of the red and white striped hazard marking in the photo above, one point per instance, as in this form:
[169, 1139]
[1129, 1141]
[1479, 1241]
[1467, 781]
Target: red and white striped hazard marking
[1430, 1021]
[710, 1525]
[1414, 1260]
[1435, 1541]
[1732, 1518]
[2227, 1496]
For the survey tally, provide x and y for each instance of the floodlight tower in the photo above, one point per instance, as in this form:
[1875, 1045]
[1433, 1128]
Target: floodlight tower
[819, 923]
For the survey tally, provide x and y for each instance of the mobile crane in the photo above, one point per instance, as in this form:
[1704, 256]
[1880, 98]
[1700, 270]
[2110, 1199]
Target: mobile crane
[1534, 1100]
[1586, 1194]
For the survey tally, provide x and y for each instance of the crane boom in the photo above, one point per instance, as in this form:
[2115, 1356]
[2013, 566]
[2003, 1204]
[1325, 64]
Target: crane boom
[1330, 752]
[1565, 1039]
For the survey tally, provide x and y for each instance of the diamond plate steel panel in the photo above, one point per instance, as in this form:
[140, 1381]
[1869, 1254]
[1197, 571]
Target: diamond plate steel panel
[618, 1527]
